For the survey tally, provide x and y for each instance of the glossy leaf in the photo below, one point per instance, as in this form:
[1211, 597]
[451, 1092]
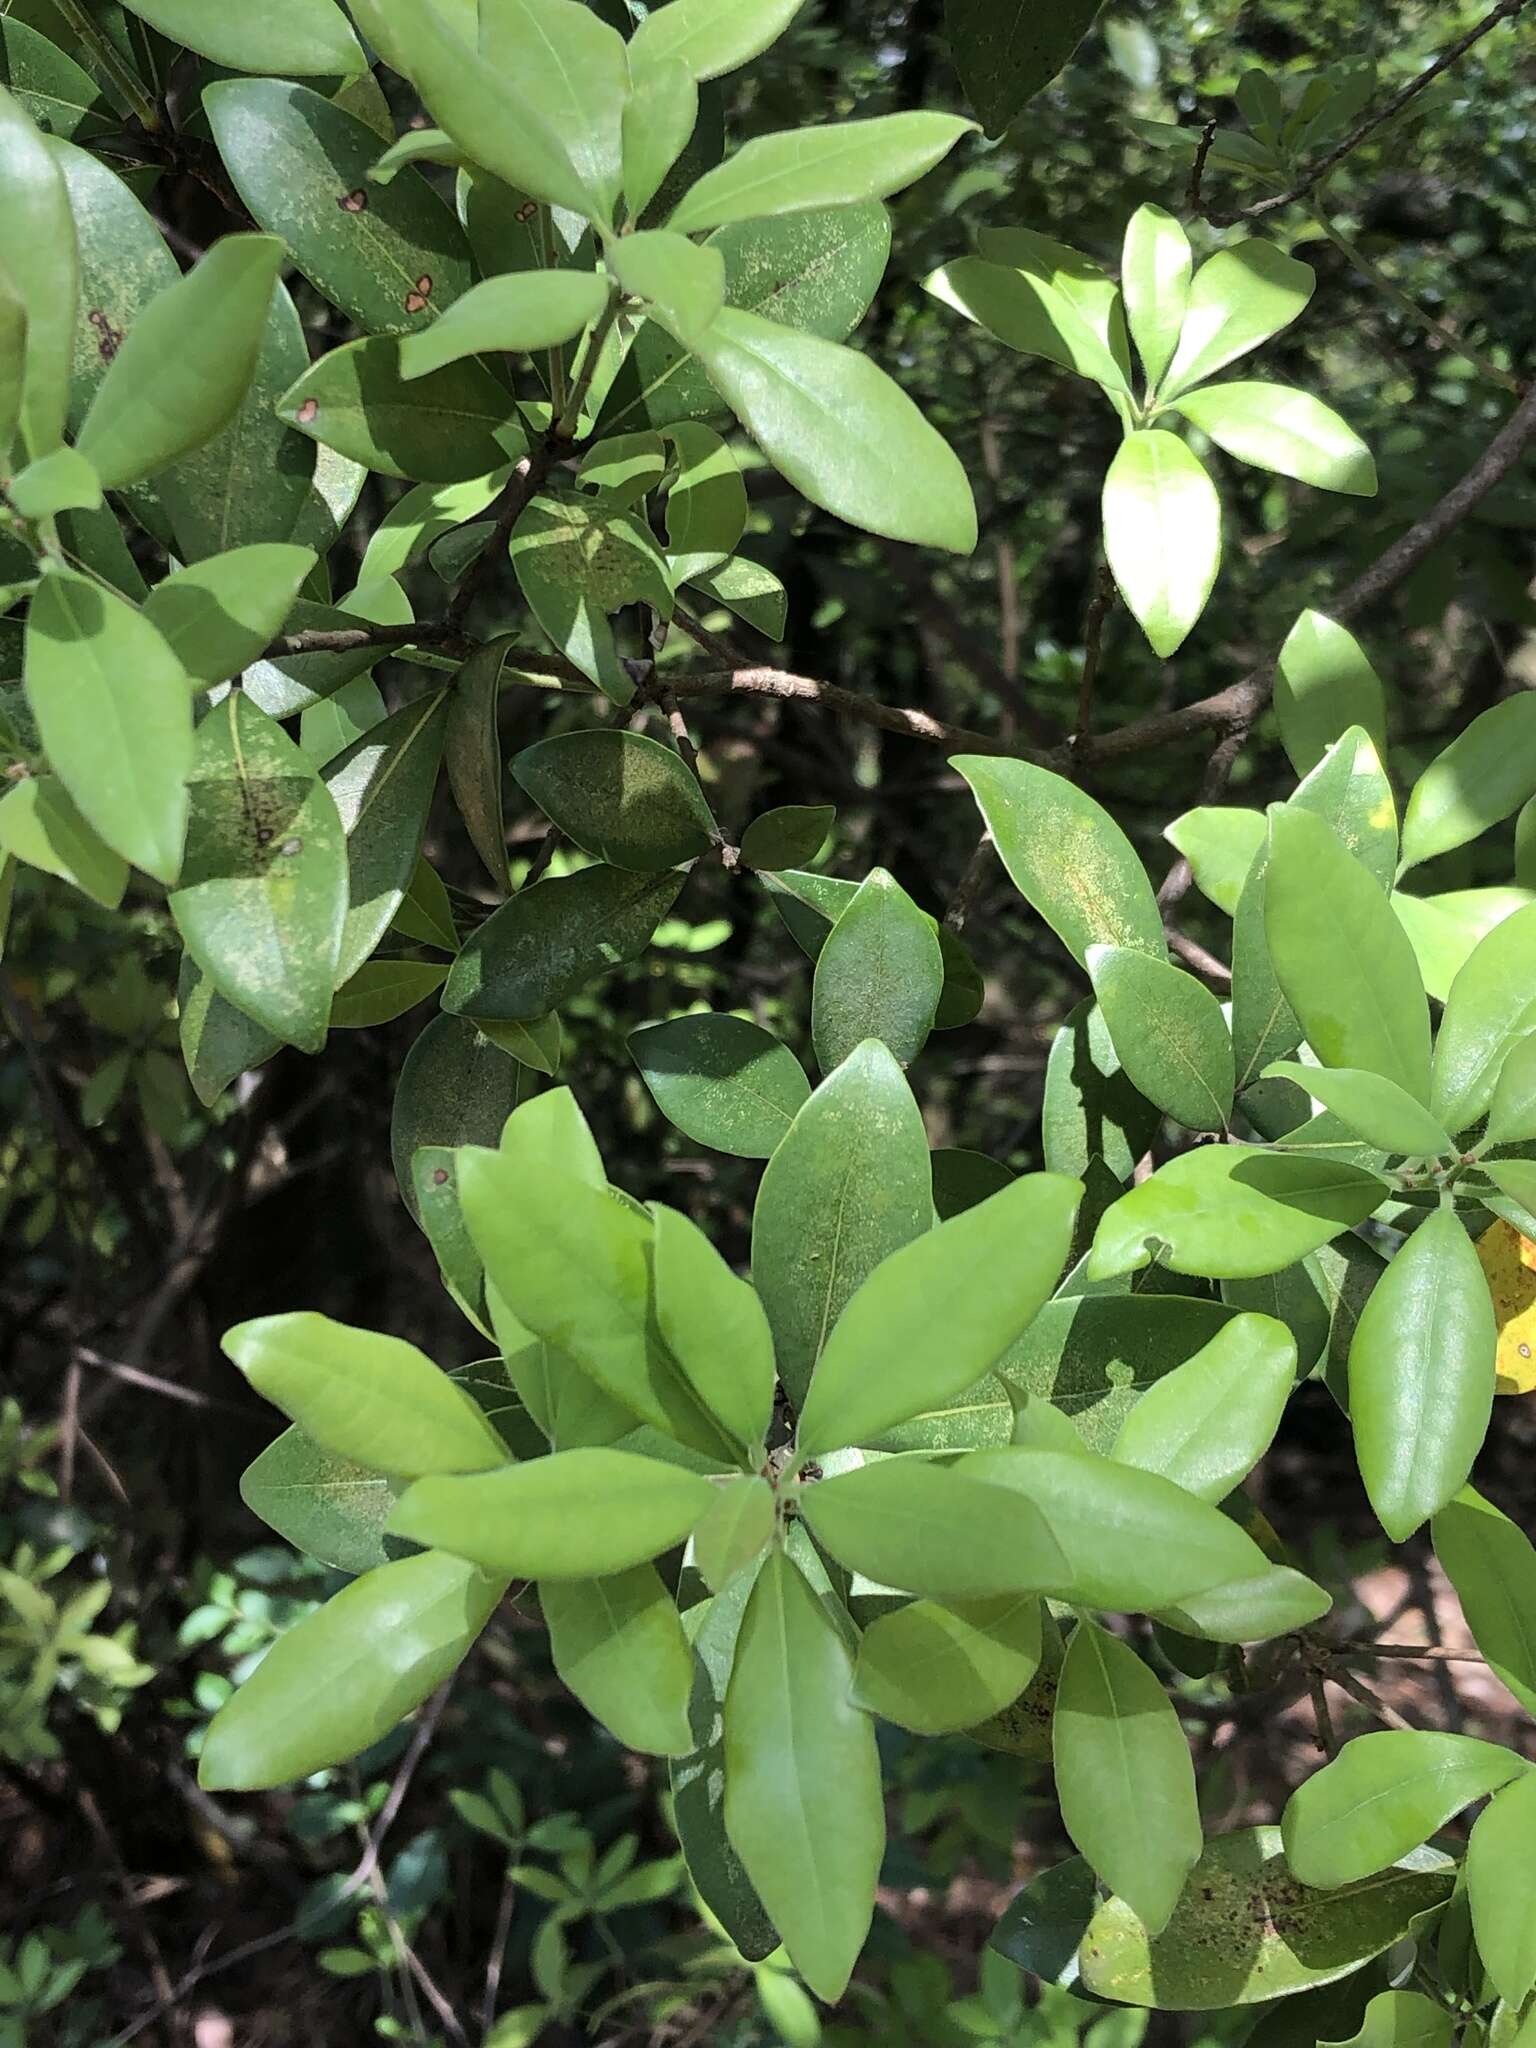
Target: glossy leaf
[345, 1675]
[456, 1088]
[1029, 293]
[1155, 267]
[42, 268]
[810, 904]
[1484, 775]
[571, 68]
[1384, 1794]
[554, 939]
[1291, 432]
[217, 616]
[1383, 1113]
[849, 1184]
[1512, 1111]
[298, 37]
[936, 1669]
[723, 1081]
[438, 428]
[1124, 1778]
[626, 799]
[1206, 1424]
[62, 98]
[787, 837]
[660, 115]
[330, 1507]
[1091, 1111]
[709, 37]
[1239, 298]
[714, 1326]
[1324, 684]
[1169, 1032]
[833, 165]
[1490, 1562]
[114, 713]
[1490, 1008]
[61, 482]
[1220, 842]
[40, 824]
[1162, 534]
[381, 990]
[578, 561]
[682, 282]
[218, 1042]
[736, 1531]
[1500, 1856]
[879, 975]
[618, 1644]
[526, 311]
[1005, 58]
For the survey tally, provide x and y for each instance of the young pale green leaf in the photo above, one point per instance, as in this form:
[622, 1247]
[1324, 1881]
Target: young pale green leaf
[114, 713]
[13, 364]
[1206, 1424]
[1026, 300]
[1232, 1212]
[1124, 1778]
[1169, 1032]
[382, 786]
[42, 268]
[937, 1314]
[1490, 1562]
[1342, 959]
[1245, 1932]
[555, 939]
[344, 1677]
[1512, 1111]
[1274, 1602]
[1501, 1870]
[1421, 1373]
[61, 482]
[263, 897]
[1005, 56]
[1324, 684]
[1162, 534]
[329, 1507]
[1155, 266]
[937, 1669]
[328, 728]
[803, 1804]
[40, 824]
[1274, 427]
[1239, 298]
[879, 975]
[533, 309]
[835, 165]
[1484, 775]
[708, 37]
[1383, 1113]
[714, 1326]
[723, 1081]
[578, 560]
[1067, 856]
[660, 115]
[626, 799]
[933, 1530]
[1383, 1795]
[838, 429]
[682, 282]
[736, 1531]
[1221, 843]
[298, 38]
[847, 1185]
[180, 375]
[218, 615]
[570, 68]
[787, 836]
[390, 256]
[1401, 2019]
[574, 1515]
[1489, 1010]
[364, 1396]
[618, 1644]
[439, 428]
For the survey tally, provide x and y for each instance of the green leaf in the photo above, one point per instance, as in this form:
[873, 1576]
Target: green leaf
[833, 165]
[706, 505]
[556, 938]
[41, 268]
[811, 904]
[413, 523]
[40, 825]
[622, 797]
[218, 615]
[1274, 427]
[879, 975]
[1005, 59]
[1067, 856]
[1324, 684]
[345, 1675]
[937, 1669]
[364, 1396]
[1162, 534]
[114, 712]
[573, 1515]
[1221, 843]
[1170, 1034]
[13, 362]
[849, 1184]
[439, 428]
[298, 37]
[1490, 1008]
[577, 561]
[1340, 955]
[263, 898]
[1124, 1778]
[723, 1081]
[51, 87]
[1155, 266]
[1091, 1111]
[1382, 1795]
[1239, 298]
[1044, 1924]
[1512, 1111]
[787, 837]
[61, 482]
[330, 1507]
[1501, 1854]
[714, 1326]
[572, 68]
[838, 429]
[1384, 1114]
[1421, 1372]
[709, 37]
[301, 164]
[1044, 300]
[1274, 1602]
[185, 366]
[382, 990]
[1245, 1931]
[529, 310]
[1492, 1566]
[937, 1314]
[736, 1531]
[618, 1644]
[472, 754]
[382, 787]
[456, 1088]
[1206, 1424]
[218, 1042]
[1401, 2019]
[1484, 775]
[660, 115]
[803, 1804]
[682, 282]
[1232, 1212]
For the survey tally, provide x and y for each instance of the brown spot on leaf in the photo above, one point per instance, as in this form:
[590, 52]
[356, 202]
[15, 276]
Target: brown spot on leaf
[111, 337]
[416, 301]
[353, 202]
[308, 411]
[440, 1178]
[526, 211]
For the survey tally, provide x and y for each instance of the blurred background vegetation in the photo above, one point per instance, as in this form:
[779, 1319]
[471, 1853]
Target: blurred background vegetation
[523, 1866]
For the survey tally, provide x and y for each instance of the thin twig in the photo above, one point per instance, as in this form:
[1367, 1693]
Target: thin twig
[1196, 195]
[1327, 1740]
[1429, 1652]
[1368, 1700]
[963, 902]
[1194, 955]
[1093, 648]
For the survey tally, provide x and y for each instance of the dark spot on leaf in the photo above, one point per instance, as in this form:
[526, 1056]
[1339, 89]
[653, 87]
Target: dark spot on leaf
[527, 210]
[263, 835]
[416, 301]
[307, 411]
[353, 202]
[440, 1178]
[1525, 1350]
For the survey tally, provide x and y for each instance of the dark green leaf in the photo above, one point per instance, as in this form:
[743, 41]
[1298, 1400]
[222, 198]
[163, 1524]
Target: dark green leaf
[456, 1088]
[439, 428]
[218, 1042]
[1091, 1110]
[578, 561]
[61, 98]
[787, 837]
[626, 799]
[879, 975]
[328, 1506]
[724, 1081]
[1005, 56]
[382, 788]
[554, 939]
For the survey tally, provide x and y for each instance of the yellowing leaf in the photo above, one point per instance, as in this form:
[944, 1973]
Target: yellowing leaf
[1509, 1260]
